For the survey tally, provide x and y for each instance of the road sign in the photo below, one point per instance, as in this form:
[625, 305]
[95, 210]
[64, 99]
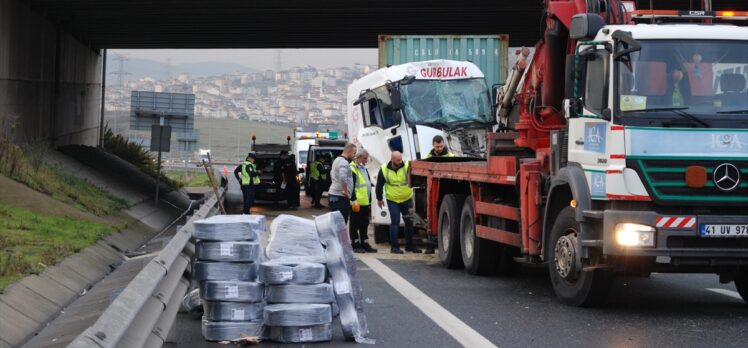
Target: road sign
[160, 135]
[147, 108]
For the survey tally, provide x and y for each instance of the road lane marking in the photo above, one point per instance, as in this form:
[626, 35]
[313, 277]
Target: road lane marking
[728, 293]
[461, 332]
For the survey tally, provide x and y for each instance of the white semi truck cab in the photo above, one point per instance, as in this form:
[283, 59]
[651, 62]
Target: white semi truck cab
[402, 107]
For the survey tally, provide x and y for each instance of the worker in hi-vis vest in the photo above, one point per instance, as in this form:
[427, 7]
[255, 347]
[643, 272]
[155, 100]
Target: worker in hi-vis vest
[249, 178]
[393, 180]
[315, 182]
[360, 203]
[439, 149]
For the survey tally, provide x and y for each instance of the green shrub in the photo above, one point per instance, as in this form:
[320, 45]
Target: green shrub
[135, 154]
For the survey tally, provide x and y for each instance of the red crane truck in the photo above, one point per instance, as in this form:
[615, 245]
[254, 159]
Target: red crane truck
[620, 148]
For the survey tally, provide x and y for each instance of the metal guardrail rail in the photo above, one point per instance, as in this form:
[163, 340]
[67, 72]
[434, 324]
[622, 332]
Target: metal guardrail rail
[136, 320]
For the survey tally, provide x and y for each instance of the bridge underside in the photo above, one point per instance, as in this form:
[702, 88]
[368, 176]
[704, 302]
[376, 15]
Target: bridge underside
[50, 50]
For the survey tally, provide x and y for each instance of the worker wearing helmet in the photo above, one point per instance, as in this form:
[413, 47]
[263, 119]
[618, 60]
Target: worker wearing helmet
[249, 178]
[360, 203]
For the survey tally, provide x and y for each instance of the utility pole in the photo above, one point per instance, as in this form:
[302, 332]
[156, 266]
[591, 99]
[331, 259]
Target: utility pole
[120, 72]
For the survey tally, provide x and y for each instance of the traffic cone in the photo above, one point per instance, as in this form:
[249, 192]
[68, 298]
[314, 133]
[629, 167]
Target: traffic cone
[225, 172]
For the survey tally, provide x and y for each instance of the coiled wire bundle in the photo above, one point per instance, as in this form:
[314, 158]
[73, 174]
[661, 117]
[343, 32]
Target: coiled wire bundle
[228, 251]
[232, 291]
[231, 330]
[230, 227]
[233, 311]
[297, 314]
[294, 238]
[296, 293]
[205, 270]
[273, 272]
[301, 334]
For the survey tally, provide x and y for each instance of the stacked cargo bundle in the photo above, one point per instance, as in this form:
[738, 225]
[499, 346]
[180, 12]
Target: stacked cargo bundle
[299, 301]
[341, 264]
[227, 258]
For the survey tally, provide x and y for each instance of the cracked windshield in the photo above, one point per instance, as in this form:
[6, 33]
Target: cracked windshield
[447, 102]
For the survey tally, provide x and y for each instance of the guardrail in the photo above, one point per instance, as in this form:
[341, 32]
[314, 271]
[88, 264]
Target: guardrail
[136, 320]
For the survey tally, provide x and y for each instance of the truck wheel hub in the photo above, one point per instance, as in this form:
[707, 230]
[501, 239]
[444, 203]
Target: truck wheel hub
[565, 256]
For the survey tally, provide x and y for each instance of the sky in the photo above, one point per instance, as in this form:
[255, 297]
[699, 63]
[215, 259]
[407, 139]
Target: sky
[261, 59]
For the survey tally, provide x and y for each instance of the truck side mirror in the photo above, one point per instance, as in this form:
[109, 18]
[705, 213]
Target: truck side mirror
[570, 74]
[631, 44]
[495, 93]
[396, 101]
[584, 26]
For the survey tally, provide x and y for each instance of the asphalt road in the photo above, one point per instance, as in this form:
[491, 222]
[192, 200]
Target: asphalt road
[664, 310]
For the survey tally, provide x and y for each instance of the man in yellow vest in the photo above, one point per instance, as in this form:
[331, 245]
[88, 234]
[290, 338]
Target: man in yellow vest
[315, 182]
[393, 180]
[361, 198]
[439, 149]
[249, 178]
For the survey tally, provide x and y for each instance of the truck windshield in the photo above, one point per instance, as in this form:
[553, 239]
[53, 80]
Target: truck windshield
[447, 102]
[703, 78]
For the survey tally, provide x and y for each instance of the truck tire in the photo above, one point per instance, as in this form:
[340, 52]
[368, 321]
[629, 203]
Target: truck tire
[448, 238]
[572, 285]
[479, 255]
[741, 284]
[381, 234]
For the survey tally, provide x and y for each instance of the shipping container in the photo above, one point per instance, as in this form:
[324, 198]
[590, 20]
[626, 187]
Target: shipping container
[488, 52]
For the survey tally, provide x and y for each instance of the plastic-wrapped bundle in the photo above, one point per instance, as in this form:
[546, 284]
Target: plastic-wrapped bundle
[297, 314]
[294, 239]
[228, 251]
[205, 270]
[273, 272]
[296, 293]
[230, 227]
[301, 334]
[341, 264]
[231, 330]
[192, 302]
[233, 311]
[232, 291]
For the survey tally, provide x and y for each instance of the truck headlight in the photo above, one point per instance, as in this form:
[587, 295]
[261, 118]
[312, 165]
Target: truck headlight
[635, 235]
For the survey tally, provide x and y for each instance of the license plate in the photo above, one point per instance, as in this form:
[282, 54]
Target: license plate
[708, 230]
[271, 190]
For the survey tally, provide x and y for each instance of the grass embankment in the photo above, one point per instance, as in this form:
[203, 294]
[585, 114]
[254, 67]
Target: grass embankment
[135, 154]
[28, 166]
[30, 242]
[189, 179]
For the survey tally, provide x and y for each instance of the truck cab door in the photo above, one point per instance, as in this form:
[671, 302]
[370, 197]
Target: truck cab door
[589, 131]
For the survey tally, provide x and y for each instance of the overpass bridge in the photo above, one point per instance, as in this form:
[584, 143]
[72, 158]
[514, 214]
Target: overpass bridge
[51, 66]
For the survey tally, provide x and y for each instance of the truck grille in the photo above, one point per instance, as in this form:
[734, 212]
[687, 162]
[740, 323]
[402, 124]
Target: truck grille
[665, 182]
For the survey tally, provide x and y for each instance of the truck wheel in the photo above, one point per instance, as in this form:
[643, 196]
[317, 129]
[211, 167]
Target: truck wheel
[572, 285]
[449, 231]
[741, 284]
[480, 256]
[381, 234]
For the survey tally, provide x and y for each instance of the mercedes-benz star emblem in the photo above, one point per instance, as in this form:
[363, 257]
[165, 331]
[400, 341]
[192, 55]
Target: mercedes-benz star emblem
[726, 177]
